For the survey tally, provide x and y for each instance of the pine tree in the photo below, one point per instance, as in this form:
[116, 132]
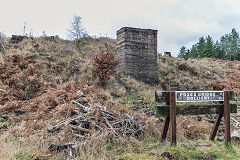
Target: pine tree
[219, 52]
[228, 47]
[200, 47]
[234, 48]
[193, 52]
[208, 48]
[183, 52]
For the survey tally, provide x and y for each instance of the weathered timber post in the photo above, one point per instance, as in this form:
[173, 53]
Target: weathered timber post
[166, 122]
[215, 127]
[173, 129]
[227, 117]
[165, 129]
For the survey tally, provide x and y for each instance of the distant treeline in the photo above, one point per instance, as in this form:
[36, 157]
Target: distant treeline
[228, 47]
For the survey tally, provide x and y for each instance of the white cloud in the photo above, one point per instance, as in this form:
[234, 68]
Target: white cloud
[179, 22]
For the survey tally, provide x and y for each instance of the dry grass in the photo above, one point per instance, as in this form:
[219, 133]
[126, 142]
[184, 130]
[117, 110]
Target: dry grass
[190, 128]
[40, 77]
[198, 74]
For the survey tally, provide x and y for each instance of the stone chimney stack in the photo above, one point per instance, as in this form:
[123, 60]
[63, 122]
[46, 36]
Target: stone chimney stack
[137, 53]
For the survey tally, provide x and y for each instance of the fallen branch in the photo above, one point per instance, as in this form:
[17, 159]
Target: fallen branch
[59, 147]
[234, 120]
[71, 155]
[80, 128]
[52, 128]
[79, 136]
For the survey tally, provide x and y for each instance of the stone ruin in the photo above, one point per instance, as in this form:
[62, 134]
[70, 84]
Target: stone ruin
[168, 54]
[137, 53]
[17, 38]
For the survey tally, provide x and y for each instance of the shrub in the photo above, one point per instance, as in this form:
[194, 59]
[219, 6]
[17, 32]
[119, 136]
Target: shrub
[104, 64]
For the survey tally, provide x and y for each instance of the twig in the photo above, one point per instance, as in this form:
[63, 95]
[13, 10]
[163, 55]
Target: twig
[108, 123]
[98, 126]
[117, 123]
[70, 155]
[80, 128]
[85, 109]
[79, 136]
[59, 147]
[234, 120]
[51, 128]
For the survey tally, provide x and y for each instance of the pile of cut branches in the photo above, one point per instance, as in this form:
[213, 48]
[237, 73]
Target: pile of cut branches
[93, 118]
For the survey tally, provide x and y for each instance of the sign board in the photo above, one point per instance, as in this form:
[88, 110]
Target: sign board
[199, 96]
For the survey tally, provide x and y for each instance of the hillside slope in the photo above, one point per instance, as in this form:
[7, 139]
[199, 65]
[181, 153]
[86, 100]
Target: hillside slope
[49, 96]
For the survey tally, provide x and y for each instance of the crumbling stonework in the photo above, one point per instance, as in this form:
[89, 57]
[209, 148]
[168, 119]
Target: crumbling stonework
[17, 38]
[137, 53]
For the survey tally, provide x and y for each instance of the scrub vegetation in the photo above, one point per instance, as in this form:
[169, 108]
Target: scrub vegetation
[44, 81]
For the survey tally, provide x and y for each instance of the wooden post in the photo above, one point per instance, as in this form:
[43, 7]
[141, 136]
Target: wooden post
[215, 127]
[227, 117]
[165, 129]
[173, 129]
[167, 119]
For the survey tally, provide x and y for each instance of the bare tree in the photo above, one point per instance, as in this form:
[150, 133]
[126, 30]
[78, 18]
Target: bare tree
[2, 36]
[24, 29]
[2, 49]
[76, 29]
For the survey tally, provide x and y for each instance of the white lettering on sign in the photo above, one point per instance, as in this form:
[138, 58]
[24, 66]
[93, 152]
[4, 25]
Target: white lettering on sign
[199, 96]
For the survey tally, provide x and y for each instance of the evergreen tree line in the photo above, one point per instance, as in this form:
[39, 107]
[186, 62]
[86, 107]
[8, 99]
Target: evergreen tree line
[227, 48]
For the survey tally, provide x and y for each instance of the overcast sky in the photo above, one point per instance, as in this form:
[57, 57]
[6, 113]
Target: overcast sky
[179, 22]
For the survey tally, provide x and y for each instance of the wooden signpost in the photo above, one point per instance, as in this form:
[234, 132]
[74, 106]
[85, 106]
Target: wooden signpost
[173, 108]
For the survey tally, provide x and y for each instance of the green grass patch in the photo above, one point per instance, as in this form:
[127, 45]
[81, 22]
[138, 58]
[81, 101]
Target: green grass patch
[151, 148]
[26, 155]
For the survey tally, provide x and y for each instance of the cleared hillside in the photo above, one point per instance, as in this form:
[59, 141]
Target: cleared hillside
[46, 81]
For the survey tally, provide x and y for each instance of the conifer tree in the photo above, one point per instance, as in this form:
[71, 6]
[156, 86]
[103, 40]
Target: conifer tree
[183, 52]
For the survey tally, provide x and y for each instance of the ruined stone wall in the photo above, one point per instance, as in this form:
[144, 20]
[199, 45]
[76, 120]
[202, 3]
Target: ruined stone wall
[137, 53]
